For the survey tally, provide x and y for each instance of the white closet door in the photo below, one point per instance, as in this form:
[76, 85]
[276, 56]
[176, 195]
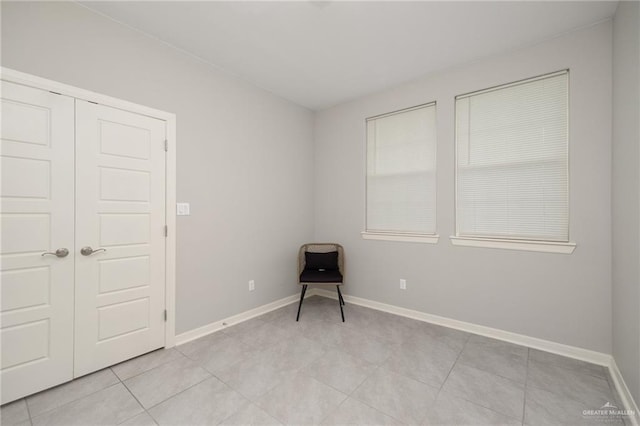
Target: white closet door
[120, 207]
[36, 217]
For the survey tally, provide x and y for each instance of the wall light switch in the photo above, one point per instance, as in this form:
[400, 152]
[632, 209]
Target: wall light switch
[182, 209]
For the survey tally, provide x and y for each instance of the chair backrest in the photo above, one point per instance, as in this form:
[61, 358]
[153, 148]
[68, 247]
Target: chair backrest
[320, 248]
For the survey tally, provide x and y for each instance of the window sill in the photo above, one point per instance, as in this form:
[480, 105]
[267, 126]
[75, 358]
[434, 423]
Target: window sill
[526, 245]
[408, 238]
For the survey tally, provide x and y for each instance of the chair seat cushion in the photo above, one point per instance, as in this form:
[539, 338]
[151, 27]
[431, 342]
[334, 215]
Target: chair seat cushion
[315, 276]
[321, 260]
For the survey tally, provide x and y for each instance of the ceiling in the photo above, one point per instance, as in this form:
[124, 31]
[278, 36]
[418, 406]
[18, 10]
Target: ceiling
[321, 53]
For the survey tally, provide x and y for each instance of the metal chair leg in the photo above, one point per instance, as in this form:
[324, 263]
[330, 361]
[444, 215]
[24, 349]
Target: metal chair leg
[340, 302]
[340, 298]
[302, 292]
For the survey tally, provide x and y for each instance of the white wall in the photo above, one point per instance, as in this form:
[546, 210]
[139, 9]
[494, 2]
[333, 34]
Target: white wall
[626, 193]
[562, 298]
[245, 156]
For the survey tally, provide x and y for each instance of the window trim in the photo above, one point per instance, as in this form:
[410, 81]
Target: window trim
[488, 241]
[523, 245]
[413, 237]
[401, 236]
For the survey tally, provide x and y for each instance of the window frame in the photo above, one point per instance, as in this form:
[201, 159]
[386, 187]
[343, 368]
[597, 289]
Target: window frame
[399, 236]
[515, 243]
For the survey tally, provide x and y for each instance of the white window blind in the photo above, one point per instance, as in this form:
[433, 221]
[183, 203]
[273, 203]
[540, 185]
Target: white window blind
[512, 161]
[401, 163]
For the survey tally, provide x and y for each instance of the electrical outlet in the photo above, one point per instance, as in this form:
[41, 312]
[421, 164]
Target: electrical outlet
[403, 284]
[252, 285]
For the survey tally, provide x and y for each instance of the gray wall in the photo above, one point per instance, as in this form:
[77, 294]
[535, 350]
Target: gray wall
[246, 164]
[626, 193]
[245, 156]
[562, 298]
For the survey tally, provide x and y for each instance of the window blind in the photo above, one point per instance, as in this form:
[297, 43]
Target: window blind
[401, 163]
[512, 161]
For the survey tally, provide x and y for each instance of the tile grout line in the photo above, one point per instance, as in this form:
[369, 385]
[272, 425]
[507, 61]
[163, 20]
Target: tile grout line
[248, 402]
[571, 371]
[351, 395]
[73, 400]
[216, 375]
[293, 373]
[484, 406]
[328, 414]
[526, 379]
[234, 413]
[151, 369]
[114, 373]
[346, 396]
[225, 333]
[499, 374]
[454, 363]
[378, 367]
[176, 394]
[449, 373]
[467, 400]
[49, 412]
[332, 387]
[28, 411]
[134, 397]
[140, 356]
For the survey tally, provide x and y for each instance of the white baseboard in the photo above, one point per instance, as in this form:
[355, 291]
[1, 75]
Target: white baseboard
[624, 393]
[593, 357]
[507, 336]
[196, 333]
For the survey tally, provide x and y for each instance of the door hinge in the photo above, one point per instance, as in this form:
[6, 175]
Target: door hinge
[166, 231]
[166, 145]
[165, 315]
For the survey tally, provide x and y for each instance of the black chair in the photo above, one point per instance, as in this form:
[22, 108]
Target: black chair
[321, 264]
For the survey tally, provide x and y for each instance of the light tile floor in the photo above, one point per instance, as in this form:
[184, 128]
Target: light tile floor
[374, 369]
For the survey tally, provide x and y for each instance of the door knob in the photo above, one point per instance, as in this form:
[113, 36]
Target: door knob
[61, 252]
[88, 251]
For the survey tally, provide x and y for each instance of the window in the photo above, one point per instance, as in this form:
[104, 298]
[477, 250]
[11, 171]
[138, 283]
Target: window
[512, 161]
[401, 184]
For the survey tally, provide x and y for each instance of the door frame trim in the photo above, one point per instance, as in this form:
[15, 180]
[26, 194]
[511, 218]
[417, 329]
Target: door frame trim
[30, 80]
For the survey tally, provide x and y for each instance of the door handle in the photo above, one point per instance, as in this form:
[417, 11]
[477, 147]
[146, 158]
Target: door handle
[88, 251]
[61, 252]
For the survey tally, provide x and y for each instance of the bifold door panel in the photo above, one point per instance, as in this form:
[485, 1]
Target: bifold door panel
[37, 218]
[83, 244]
